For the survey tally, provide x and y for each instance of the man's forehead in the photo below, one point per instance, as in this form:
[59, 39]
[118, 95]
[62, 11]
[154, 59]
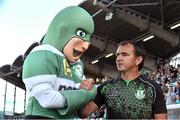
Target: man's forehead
[125, 48]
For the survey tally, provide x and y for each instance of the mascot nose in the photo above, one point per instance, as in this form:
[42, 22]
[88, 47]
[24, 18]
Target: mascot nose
[86, 45]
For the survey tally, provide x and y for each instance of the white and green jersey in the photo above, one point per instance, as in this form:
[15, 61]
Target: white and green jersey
[45, 73]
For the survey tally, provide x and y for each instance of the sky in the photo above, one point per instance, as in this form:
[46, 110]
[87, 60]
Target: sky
[23, 22]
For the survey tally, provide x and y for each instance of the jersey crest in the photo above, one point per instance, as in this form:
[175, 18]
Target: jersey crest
[140, 94]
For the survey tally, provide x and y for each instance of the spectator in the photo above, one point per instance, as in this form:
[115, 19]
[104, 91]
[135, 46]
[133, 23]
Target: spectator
[177, 98]
[177, 87]
[170, 96]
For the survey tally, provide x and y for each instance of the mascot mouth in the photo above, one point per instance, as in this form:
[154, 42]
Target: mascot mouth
[76, 53]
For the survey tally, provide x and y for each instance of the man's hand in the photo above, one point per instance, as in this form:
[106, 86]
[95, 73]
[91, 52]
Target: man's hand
[87, 84]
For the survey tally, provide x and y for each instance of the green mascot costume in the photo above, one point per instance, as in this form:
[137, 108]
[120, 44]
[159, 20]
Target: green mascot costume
[53, 71]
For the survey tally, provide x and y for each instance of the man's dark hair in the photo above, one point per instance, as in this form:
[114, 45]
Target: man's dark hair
[139, 50]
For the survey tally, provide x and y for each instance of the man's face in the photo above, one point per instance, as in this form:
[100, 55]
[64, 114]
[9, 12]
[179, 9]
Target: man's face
[177, 84]
[74, 49]
[126, 59]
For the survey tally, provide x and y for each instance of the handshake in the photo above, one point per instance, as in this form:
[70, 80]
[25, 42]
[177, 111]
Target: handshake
[87, 84]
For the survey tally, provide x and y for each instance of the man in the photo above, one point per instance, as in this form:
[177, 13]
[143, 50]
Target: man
[53, 71]
[132, 96]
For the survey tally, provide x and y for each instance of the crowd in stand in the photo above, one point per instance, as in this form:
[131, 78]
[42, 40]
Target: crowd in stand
[169, 79]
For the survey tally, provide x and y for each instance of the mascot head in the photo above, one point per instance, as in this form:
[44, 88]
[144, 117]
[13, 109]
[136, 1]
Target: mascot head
[70, 32]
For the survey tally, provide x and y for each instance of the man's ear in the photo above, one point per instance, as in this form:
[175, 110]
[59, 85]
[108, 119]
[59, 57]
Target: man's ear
[139, 59]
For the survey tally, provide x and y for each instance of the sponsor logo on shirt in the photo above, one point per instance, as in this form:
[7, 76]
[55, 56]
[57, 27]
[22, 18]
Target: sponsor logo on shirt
[64, 87]
[67, 69]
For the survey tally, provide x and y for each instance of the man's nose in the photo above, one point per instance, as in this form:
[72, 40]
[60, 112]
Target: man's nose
[86, 45]
[118, 58]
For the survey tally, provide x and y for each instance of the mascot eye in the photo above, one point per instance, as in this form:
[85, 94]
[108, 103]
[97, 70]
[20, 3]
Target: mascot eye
[81, 33]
